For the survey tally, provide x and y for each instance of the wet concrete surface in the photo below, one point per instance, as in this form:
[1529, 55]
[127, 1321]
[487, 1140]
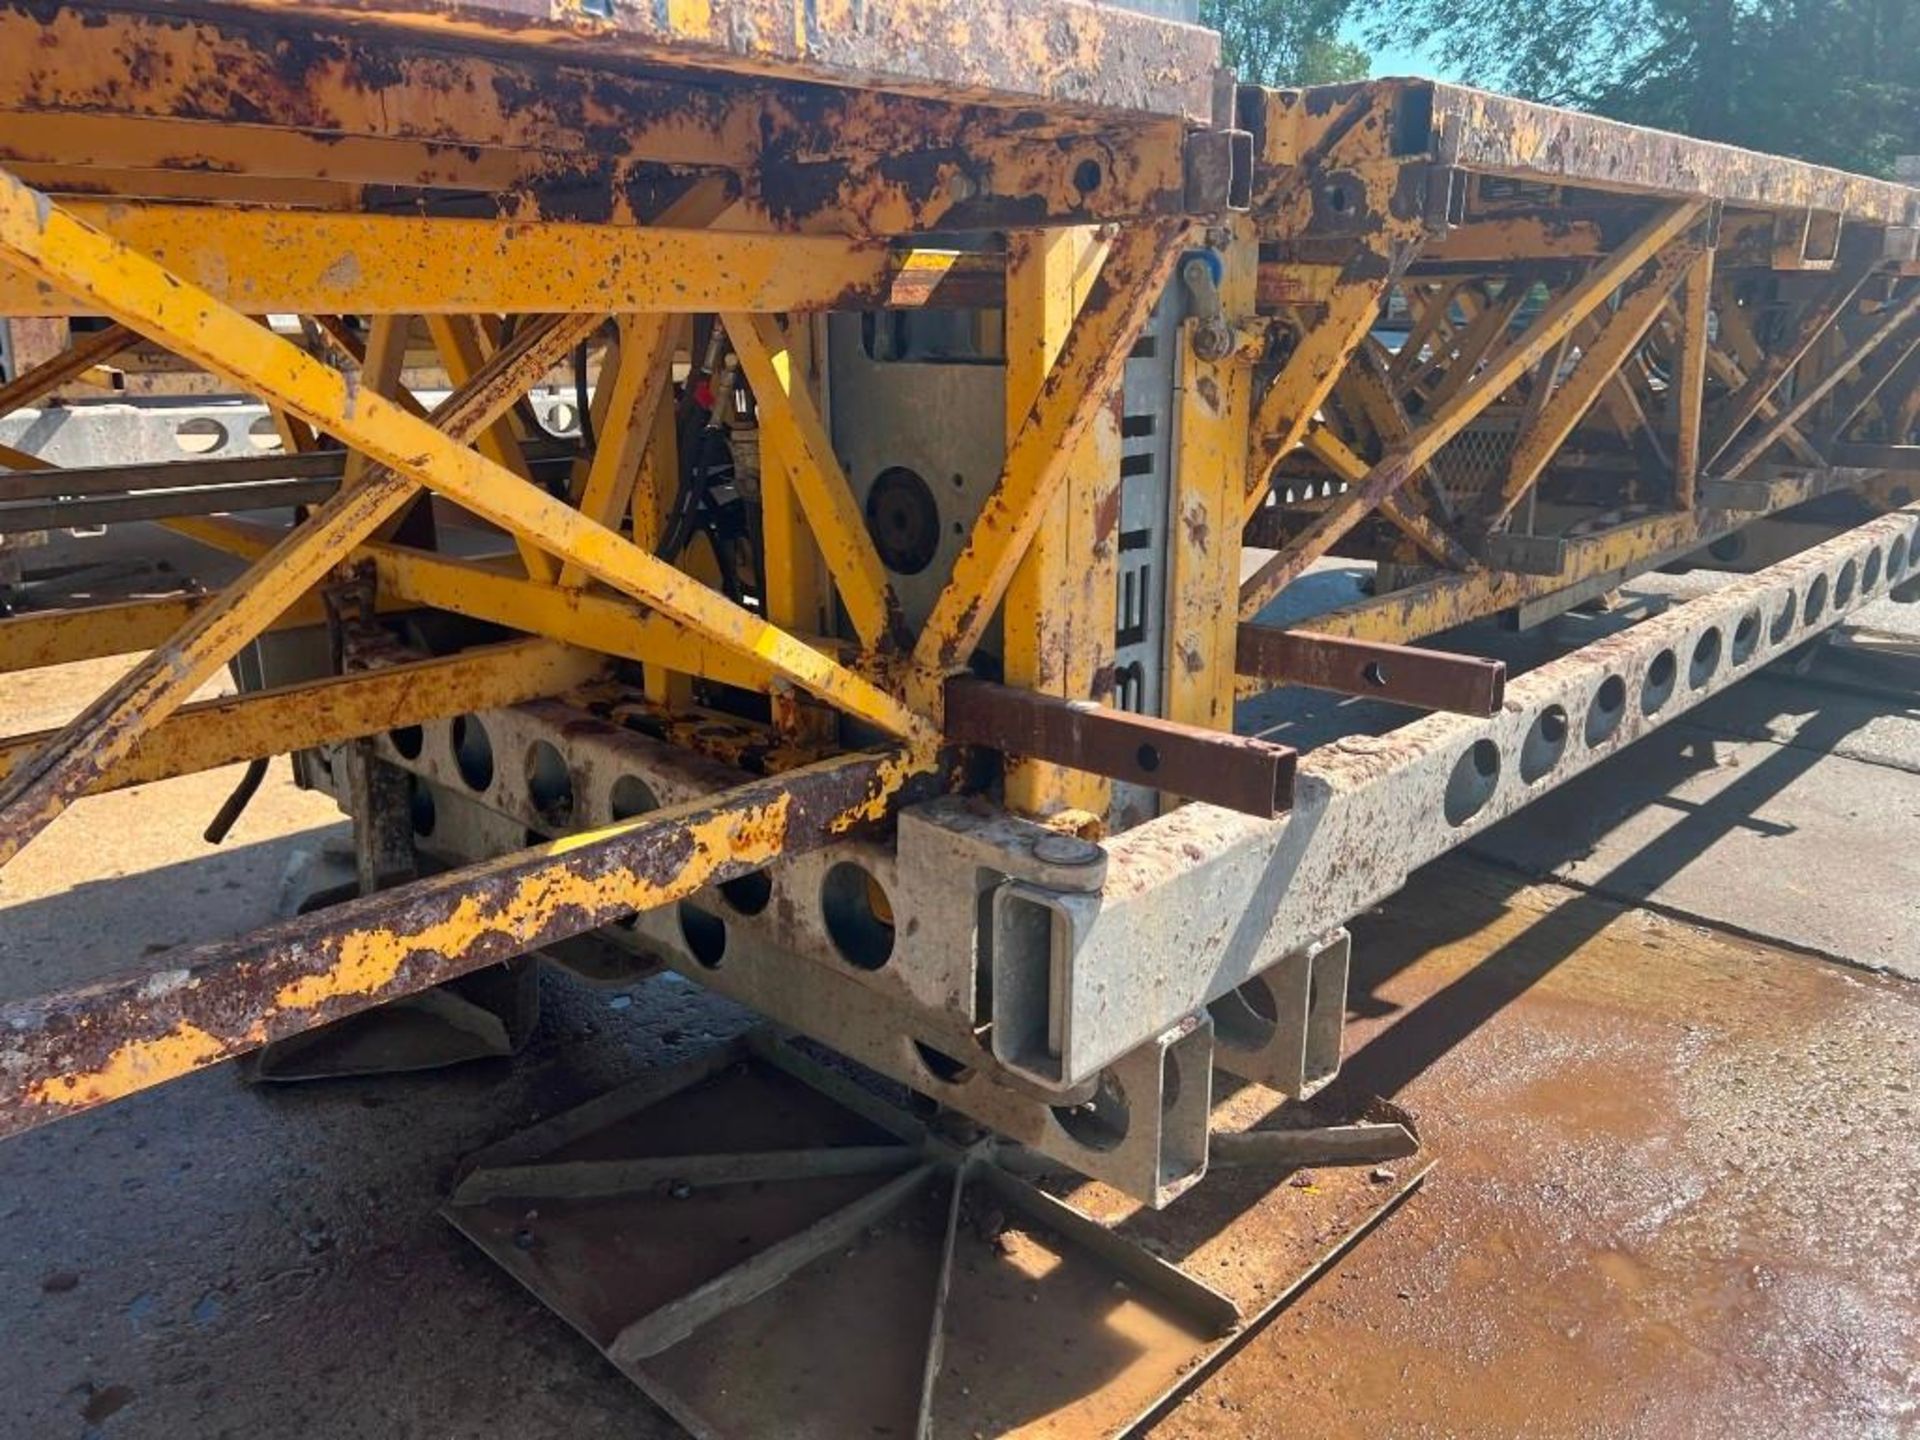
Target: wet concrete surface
[1676, 1195]
[1678, 1190]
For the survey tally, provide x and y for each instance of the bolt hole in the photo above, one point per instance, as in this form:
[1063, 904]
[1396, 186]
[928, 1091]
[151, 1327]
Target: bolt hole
[1609, 704]
[1338, 200]
[1658, 686]
[1087, 176]
[1375, 674]
[549, 784]
[1546, 742]
[472, 752]
[1475, 776]
[1148, 758]
[1706, 658]
[858, 914]
[705, 934]
[1099, 1123]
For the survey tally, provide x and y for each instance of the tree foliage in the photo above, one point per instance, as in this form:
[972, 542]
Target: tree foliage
[1835, 81]
[1285, 42]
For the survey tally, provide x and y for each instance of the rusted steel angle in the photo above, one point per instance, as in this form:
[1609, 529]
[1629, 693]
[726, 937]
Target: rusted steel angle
[195, 1006]
[1268, 657]
[1235, 772]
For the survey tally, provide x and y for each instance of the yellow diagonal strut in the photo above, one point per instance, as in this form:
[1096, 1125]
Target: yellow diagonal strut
[53, 247]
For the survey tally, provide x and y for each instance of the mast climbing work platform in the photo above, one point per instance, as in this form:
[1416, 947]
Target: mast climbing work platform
[799, 493]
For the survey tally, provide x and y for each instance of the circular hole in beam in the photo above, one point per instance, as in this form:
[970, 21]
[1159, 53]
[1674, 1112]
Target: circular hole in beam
[1843, 586]
[1246, 1018]
[1546, 742]
[1816, 602]
[704, 932]
[631, 796]
[420, 809]
[1100, 1122]
[1746, 637]
[858, 915]
[1783, 618]
[942, 1066]
[1657, 688]
[1706, 658]
[472, 752]
[1605, 710]
[408, 741]
[1475, 776]
[748, 894]
[550, 784]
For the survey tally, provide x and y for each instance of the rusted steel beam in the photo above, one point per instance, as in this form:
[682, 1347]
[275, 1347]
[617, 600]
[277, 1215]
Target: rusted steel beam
[1235, 772]
[1268, 657]
[263, 723]
[1499, 135]
[1060, 55]
[194, 1006]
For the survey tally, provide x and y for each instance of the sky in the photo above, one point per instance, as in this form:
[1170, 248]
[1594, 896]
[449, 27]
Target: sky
[1389, 60]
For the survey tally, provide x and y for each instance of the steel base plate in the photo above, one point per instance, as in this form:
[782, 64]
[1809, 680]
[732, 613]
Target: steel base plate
[781, 1252]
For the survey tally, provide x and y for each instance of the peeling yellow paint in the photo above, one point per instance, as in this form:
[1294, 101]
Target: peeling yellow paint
[134, 1066]
[369, 962]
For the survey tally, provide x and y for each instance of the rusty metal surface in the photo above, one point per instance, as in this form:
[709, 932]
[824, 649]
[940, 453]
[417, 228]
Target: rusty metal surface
[1061, 53]
[958, 1309]
[1405, 674]
[1502, 135]
[1251, 776]
[68, 1052]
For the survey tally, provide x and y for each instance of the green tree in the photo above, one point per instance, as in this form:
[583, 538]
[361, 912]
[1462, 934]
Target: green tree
[1285, 42]
[1836, 81]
